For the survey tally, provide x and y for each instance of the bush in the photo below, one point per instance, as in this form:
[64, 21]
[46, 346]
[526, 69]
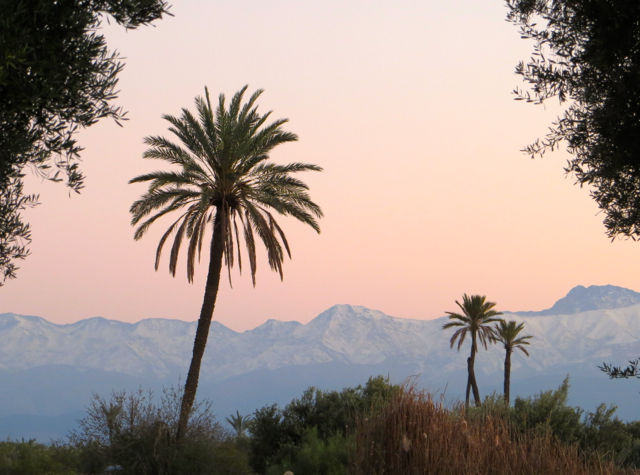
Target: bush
[132, 432]
[316, 422]
[549, 412]
[30, 458]
[600, 431]
[315, 456]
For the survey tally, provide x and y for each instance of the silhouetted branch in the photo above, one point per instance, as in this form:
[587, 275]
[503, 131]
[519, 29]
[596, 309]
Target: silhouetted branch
[616, 372]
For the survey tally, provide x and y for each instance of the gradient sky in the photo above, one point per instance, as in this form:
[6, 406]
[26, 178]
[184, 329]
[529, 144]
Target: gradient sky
[407, 107]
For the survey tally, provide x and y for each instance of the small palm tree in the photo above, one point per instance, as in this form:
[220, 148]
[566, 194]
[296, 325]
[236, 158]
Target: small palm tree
[507, 334]
[476, 316]
[239, 423]
[224, 183]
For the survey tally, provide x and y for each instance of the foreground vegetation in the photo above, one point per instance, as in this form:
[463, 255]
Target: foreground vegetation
[414, 434]
[372, 429]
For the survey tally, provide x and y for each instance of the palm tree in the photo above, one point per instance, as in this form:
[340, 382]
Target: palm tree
[476, 316]
[225, 183]
[507, 334]
[239, 423]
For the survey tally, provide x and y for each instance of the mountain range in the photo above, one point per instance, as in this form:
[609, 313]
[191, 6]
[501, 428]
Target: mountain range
[48, 371]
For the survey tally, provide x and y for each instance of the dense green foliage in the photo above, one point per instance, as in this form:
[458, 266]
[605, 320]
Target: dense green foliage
[316, 426]
[316, 456]
[588, 54]
[549, 413]
[56, 76]
[30, 458]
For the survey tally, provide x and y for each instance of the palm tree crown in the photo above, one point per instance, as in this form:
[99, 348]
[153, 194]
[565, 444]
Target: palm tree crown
[223, 175]
[507, 334]
[476, 316]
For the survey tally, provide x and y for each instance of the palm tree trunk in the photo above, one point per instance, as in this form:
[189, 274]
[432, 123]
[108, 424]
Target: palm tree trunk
[466, 401]
[507, 375]
[472, 373]
[206, 313]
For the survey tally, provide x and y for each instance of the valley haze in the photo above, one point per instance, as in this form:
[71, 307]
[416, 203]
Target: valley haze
[48, 371]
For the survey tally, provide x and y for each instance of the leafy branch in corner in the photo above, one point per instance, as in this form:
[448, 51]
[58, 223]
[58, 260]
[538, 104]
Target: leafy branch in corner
[15, 235]
[616, 372]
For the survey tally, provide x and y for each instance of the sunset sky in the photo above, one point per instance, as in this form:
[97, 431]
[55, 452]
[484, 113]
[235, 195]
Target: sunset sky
[406, 105]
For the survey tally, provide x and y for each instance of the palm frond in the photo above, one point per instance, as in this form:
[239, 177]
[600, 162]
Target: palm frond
[194, 243]
[164, 238]
[476, 316]
[507, 333]
[177, 241]
[222, 157]
[459, 335]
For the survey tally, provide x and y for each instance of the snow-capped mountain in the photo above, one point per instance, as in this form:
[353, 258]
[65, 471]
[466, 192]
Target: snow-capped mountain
[344, 333]
[341, 346]
[582, 299]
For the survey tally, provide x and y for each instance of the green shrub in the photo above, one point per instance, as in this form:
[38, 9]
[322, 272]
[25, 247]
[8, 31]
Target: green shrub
[315, 456]
[278, 436]
[31, 458]
[548, 412]
[134, 432]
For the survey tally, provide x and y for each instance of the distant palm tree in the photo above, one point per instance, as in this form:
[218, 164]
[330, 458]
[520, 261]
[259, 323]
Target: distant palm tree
[476, 316]
[507, 334]
[239, 423]
[225, 184]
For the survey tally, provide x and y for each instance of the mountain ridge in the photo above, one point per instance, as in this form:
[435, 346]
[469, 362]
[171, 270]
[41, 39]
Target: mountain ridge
[342, 333]
[583, 299]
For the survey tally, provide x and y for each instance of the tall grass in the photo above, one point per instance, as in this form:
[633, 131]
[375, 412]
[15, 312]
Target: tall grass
[413, 434]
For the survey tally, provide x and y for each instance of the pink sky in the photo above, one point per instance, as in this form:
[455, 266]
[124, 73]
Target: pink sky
[407, 107]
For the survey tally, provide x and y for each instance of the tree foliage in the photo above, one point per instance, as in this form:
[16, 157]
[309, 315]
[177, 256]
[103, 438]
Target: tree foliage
[15, 235]
[316, 456]
[312, 426]
[30, 458]
[587, 54]
[57, 76]
[600, 431]
[549, 410]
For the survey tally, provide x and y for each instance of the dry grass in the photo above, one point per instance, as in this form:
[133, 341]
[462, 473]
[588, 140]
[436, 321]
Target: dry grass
[413, 434]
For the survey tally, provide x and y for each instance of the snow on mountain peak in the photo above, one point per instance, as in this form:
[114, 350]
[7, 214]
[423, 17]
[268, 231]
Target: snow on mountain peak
[343, 334]
[595, 297]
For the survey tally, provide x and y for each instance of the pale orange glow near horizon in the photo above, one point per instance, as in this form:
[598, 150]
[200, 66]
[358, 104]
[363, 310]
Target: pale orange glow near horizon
[407, 107]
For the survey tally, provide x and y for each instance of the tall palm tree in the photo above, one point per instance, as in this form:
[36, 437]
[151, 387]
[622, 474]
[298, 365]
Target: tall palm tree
[507, 334]
[475, 318]
[225, 183]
